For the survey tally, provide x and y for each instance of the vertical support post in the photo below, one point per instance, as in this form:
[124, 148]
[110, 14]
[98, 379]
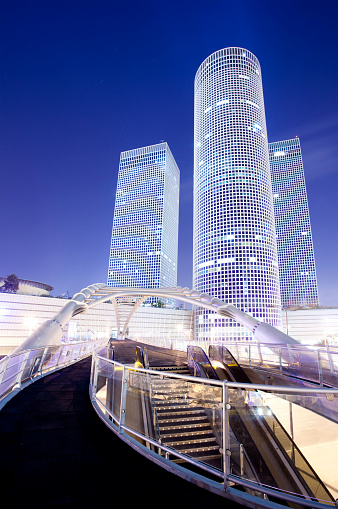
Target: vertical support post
[291, 358]
[95, 371]
[320, 373]
[125, 376]
[110, 377]
[71, 353]
[60, 353]
[22, 367]
[4, 368]
[92, 369]
[249, 356]
[226, 435]
[43, 358]
[329, 356]
[260, 353]
[280, 361]
[291, 432]
[241, 453]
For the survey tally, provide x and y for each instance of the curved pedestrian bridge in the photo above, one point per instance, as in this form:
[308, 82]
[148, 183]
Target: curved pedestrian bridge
[56, 452]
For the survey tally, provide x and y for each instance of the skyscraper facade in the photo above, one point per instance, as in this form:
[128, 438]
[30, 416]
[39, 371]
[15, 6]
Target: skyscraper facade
[144, 241]
[297, 271]
[234, 241]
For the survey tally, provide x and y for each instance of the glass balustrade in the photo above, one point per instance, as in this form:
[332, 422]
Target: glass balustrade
[261, 438]
[18, 370]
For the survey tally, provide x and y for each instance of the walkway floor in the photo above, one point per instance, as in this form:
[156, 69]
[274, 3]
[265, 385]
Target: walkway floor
[55, 452]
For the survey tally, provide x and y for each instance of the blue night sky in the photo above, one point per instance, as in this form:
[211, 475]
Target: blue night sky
[82, 81]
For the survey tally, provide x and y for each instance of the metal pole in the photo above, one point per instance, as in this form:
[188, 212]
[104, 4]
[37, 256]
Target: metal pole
[329, 356]
[123, 398]
[43, 358]
[241, 452]
[291, 433]
[95, 368]
[320, 369]
[226, 445]
[4, 368]
[260, 353]
[22, 368]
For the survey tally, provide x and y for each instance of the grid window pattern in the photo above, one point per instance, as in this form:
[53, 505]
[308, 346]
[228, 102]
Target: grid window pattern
[297, 271]
[235, 252]
[144, 241]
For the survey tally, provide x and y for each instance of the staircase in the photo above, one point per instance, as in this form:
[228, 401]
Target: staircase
[183, 425]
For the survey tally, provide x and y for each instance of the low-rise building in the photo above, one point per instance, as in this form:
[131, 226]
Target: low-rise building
[312, 326]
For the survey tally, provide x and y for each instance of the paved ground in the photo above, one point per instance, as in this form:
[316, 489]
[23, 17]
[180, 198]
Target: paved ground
[56, 453]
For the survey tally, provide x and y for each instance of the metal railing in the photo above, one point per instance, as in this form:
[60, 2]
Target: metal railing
[117, 390]
[315, 363]
[21, 369]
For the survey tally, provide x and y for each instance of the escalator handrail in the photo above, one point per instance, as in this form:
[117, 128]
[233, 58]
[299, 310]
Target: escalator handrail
[199, 357]
[244, 375]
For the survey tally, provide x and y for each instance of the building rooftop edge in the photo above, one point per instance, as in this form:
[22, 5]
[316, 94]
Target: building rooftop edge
[146, 148]
[296, 138]
[212, 56]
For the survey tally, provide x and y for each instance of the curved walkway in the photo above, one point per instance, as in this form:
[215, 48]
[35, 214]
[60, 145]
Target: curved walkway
[56, 452]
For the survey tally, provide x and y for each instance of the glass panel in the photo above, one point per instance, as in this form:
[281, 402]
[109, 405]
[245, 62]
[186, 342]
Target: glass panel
[329, 366]
[139, 411]
[270, 357]
[104, 369]
[307, 439]
[270, 441]
[109, 383]
[51, 358]
[65, 354]
[32, 365]
[334, 360]
[12, 372]
[75, 350]
[115, 388]
[245, 428]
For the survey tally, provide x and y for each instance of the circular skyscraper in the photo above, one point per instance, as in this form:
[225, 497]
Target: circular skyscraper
[235, 252]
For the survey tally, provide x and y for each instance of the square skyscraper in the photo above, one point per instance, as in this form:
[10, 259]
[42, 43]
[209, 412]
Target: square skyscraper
[297, 271]
[144, 243]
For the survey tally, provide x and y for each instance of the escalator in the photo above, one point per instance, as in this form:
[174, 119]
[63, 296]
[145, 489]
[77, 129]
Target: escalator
[273, 456]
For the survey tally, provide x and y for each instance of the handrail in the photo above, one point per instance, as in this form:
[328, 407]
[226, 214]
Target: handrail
[21, 369]
[239, 385]
[317, 364]
[122, 427]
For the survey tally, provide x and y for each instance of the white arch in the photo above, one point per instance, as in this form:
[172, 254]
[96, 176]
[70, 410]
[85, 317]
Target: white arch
[50, 332]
